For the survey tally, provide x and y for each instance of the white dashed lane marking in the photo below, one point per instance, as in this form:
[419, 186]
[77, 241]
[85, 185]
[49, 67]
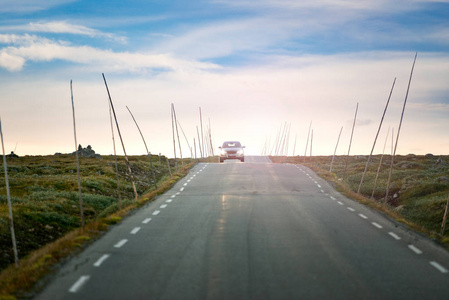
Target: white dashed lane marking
[394, 235]
[121, 243]
[156, 212]
[146, 220]
[363, 216]
[80, 282]
[351, 209]
[439, 267]
[415, 249]
[377, 225]
[135, 230]
[163, 205]
[101, 260]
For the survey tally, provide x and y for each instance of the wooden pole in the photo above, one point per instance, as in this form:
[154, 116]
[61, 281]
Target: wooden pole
[311, 145]
[115, 157]
[194, 146]
[294, 144]
[146, 148]
[121, 139]
[443, 225]
[77, 160]
[199, 141]
[8, 196]
[168, 166]
[399, 130]
[210, 139]
[380, 162]
[335, 151]
[375, 139]
[173, 134]
[177, 134]
[202, 138]
[188, 144]
[350, 141]
[307, 142]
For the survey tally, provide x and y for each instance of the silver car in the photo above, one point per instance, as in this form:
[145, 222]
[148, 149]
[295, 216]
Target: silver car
[232, 150]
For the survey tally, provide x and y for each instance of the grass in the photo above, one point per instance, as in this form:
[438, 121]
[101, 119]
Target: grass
[419, 188]
[45, 202]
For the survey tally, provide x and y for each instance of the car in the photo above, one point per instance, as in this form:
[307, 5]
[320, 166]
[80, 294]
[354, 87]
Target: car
[232, 150]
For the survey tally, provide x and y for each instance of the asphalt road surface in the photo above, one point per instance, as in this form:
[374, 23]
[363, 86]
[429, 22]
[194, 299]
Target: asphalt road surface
[255, 230]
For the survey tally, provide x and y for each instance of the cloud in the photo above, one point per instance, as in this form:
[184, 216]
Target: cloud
[329, 5]
[62, 27]
[8, 6]
[33, 48]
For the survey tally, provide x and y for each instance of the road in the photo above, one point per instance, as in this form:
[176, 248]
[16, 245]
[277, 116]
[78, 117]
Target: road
[255, 230]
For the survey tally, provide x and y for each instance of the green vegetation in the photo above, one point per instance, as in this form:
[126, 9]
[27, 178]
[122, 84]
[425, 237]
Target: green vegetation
[45, 202]
[419, 187]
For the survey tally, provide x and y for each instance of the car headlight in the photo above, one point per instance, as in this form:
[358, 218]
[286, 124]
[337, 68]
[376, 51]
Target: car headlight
[240, 152]
[223, 152]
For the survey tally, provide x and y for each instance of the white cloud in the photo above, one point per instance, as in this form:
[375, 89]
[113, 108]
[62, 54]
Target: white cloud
[30, 5]
[11, 62]
[37, 49]
[62, 27]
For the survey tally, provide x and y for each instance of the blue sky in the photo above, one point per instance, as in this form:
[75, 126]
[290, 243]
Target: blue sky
[250, 65]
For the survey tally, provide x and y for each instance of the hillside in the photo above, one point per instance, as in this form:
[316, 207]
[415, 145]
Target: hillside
[45, 200]
[419, 187]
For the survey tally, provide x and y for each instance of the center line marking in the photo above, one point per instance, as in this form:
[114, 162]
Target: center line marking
[101, 260]
[181, 189]
[173, 196]
[319, 185]
[135, 230]
[121, 243]
[146, 220]
[156, 212]
[169, 200]
[439, 267]
[351, 209]
[333, 198]
[394, 235]
[185, 184]
[414, 249]
[341, 203]
[377, 225]
[363, 216]
[163, 205]
[77, 285]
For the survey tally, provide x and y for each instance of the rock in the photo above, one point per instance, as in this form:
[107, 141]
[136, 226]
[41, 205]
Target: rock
[429, 155]
[86, 152]
[12, 155]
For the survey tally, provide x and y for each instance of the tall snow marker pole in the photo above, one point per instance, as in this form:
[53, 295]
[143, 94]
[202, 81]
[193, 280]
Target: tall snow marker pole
[8, 195]
[399, 130]
[77, 159]
[121, 139]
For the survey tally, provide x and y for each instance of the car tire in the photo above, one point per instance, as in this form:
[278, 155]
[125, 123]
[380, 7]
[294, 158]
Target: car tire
[221, 160]
[242, 159]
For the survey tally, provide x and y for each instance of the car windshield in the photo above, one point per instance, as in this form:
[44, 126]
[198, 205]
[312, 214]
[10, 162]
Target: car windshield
[231, 145]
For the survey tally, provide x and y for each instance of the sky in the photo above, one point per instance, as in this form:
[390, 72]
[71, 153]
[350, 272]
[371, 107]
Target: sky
[254, 68]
